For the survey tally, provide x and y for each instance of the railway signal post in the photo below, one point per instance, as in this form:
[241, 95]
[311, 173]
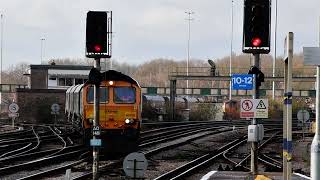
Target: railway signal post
[256, 40]
[96, 95]
[255, 95]
[98, 45]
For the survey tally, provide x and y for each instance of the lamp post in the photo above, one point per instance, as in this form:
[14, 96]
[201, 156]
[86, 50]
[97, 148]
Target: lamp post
[41, 49]
[230, 61]
[275, 49]
[1, 49]
[189, 20]
[1, 44]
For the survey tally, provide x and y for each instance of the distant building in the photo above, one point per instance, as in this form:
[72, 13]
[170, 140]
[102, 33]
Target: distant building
[57, 76]
[47, 85]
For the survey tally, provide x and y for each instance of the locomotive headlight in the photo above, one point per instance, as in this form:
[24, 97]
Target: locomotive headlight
[90, 121]
[111, 83]
[128, 121]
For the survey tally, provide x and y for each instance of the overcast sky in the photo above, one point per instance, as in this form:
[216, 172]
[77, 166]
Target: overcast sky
[144, 29]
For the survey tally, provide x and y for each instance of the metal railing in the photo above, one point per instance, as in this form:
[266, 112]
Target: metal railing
[9, 88]
[224, 71]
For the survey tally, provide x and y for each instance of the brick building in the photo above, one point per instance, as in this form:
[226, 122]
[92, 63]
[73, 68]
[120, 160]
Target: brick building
[47, 85]
[57, 76]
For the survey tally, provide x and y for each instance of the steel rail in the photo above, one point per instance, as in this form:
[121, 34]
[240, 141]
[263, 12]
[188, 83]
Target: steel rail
[149, 153]
[205, 160]
[31, 164]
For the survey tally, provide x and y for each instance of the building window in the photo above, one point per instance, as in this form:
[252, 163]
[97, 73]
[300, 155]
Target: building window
[69, 81]
[62, 82]
[52, 78]
[78, 81]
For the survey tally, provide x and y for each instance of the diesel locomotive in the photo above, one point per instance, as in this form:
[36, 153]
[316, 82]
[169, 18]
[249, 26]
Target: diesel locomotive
[120, 111]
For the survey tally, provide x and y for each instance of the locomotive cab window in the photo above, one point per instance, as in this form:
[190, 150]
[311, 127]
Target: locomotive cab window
[104, 98]
[124, 95]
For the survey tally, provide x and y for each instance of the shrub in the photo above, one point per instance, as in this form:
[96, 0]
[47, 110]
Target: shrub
[204, 112]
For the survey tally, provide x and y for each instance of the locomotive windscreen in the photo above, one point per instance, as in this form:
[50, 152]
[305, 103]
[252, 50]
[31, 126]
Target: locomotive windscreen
[103, 95]
[124, 95]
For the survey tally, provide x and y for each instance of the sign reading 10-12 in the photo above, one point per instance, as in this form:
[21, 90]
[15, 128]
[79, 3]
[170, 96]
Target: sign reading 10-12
[242, 82]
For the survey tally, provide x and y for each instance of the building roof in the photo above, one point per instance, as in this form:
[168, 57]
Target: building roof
[63, 67]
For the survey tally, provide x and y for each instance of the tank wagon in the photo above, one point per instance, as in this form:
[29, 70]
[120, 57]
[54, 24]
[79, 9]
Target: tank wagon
[157, 108]
[231, 110]
[120, 111]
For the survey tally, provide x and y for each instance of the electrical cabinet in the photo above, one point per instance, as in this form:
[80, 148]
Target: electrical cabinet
[253, 133]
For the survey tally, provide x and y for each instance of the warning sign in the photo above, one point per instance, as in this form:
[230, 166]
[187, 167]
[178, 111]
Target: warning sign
[254, 108]
[247, 105]
[261, 105]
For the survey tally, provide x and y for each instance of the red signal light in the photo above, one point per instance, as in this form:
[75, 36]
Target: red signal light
[256, 41]
[97, 48]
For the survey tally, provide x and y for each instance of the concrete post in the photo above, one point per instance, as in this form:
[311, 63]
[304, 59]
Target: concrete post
[284, 146]
[287, 121]
[289, 106]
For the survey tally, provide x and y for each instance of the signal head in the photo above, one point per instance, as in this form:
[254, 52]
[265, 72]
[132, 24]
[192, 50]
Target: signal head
[97, 48]
[256, 42]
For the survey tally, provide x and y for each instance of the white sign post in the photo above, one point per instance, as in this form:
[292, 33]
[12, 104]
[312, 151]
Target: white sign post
[254, 108]
[55, 110]
[13, 109]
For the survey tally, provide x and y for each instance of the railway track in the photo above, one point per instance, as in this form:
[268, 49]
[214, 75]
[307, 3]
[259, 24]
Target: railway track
[24, 159]
[27, 148]
[59, 169]
[152, 151]
[61, 157]
[199, 163]
[160, 139]
[239, 165]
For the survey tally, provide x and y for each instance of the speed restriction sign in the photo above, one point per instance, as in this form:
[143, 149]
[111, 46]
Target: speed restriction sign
[13, 108]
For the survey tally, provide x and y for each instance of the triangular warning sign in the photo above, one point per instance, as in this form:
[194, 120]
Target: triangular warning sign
[261, 105]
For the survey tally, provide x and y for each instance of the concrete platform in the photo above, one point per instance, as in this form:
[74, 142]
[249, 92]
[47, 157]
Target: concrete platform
[230, 175]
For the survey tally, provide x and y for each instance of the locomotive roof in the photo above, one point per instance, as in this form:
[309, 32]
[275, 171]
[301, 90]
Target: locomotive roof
[113, 75]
